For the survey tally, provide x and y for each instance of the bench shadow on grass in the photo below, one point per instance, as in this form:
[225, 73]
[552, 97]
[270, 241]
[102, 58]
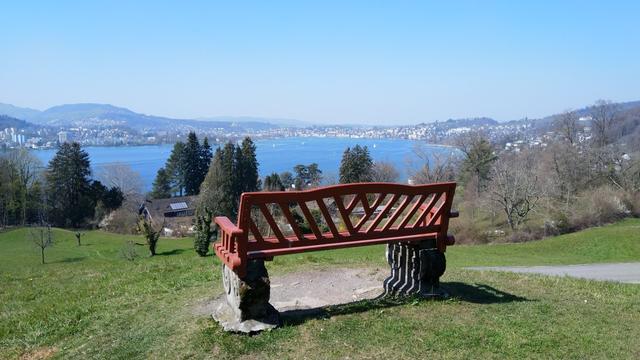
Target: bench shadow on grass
[472, 293]
[479, 293]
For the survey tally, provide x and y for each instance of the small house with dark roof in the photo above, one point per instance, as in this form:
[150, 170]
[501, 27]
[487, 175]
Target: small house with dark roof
[177, 212]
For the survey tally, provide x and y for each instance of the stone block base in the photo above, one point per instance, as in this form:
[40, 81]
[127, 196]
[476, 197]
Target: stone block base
[244, 306]
[416, 269]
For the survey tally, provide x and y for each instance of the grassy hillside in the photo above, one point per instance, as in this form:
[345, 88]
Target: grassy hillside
[88, 302]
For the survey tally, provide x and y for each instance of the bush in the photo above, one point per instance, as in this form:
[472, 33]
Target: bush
[123, 220]
[468, 231]
[128, 251]
[632, 202]
[600, 206]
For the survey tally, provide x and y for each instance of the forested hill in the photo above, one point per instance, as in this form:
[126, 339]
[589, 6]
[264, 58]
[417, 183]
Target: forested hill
[10, 122]
[92, 115]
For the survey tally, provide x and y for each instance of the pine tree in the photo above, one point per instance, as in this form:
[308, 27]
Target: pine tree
[204, 232]
[68, 186]
[192, 165]
[356, 165]
[218, 191]
[272, 183]
[233, 170]
[175, 167]
[248, 166]
[205, 159]
[477, 163]
[161, 185]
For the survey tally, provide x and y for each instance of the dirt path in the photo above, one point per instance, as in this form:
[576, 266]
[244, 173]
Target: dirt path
[317, 288]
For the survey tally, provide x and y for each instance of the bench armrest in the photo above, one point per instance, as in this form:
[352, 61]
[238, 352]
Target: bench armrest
[227, 226]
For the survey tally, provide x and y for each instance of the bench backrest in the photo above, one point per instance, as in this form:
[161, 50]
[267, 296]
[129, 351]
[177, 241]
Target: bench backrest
[277, 223]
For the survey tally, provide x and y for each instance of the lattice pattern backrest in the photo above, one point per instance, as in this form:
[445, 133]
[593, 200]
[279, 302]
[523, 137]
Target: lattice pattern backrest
[344, 212]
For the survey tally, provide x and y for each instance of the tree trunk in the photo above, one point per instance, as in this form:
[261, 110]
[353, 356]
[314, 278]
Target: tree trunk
[42, 255]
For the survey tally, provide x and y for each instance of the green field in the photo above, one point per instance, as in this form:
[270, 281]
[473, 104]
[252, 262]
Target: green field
[89, 302]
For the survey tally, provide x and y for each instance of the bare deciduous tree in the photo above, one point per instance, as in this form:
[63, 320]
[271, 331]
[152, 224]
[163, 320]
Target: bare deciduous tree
[122, 176]
[384, 171]
[42, 237]
[514, 187]
[567, 125]
[604, 113]
[432, 167]
[27, 168]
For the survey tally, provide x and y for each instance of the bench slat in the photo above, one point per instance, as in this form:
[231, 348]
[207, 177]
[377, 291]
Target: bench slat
[292, 222]
[413, 210]
[254, 230]
[310, 219]
[427, 209]
[398, 212]
[383, 213]
[353, 203]
[272, 242]
[258, 254]
[344, 214]
[272, 223]
[369, 210]
[327, 218]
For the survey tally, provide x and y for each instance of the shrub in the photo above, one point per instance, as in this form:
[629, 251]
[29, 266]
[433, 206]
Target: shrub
[469, 231]
[128, 251]
[600, 206]
[632, 202]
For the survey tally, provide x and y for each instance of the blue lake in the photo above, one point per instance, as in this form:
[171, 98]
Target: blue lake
[274, 155]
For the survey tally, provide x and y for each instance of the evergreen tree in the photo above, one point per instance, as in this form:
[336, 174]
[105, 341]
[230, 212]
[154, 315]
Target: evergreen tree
[205, 159]
[218, 190]
[192, 158]
[315, 174]
[248, 167]
[230, 174]
[307, 175]
[356, 165]
[204, 232]
[186, 167]
[175, 167]
[272, 183]
[161, 185]
[68, 186]
[479, 157]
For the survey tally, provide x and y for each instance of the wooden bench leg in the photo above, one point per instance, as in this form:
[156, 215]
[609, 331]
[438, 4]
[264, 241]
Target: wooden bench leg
[245, 307]
[416, 269]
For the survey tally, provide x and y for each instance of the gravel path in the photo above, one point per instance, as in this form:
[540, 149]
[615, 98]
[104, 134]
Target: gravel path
[620, 272]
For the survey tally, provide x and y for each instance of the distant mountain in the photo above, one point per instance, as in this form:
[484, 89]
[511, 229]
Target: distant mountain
[11, 122]
[545, 122]
[257, 120]
[103, 115]
[466, 122]
[18, 112]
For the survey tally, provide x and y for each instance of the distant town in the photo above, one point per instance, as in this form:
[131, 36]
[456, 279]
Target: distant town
[123, 127]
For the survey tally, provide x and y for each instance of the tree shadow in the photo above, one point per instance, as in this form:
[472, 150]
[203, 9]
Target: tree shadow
[71, 259]
[472, 293]
[171, 252]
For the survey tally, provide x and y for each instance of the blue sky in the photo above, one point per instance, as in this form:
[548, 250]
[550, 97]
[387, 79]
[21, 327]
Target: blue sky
[375, 62]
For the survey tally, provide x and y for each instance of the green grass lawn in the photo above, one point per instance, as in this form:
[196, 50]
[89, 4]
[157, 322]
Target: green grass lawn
[88, 302]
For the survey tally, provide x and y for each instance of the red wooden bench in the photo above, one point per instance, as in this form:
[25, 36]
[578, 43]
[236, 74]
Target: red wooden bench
[392, 213]
[411, 220]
